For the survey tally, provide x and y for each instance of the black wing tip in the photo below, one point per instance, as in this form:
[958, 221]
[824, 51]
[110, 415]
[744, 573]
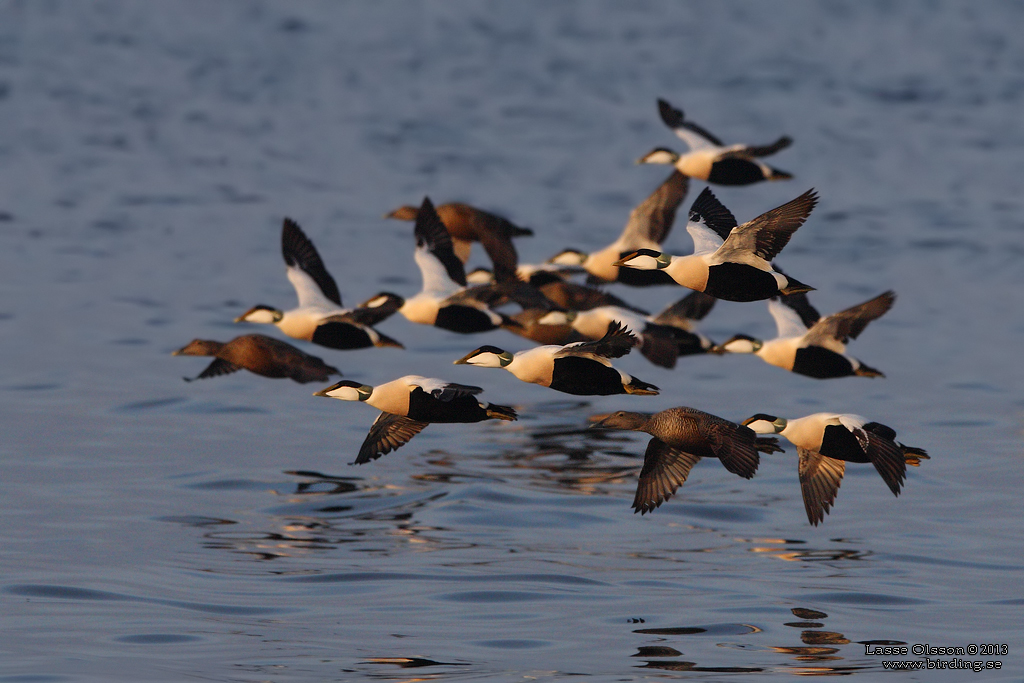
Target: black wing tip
[672, 116]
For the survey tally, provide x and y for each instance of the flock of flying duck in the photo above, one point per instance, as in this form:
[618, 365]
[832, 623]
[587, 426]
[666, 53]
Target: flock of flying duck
[581, 329]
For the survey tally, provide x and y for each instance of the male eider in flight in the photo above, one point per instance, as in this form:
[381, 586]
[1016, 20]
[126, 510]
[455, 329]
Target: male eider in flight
[728, 261]
[410, 403]
[580, 368]
[258, 354]
[467, 224]
[319, 317]
[682, 436]
[649, 224]
[445, 301]
[663, 338]
[827, 441]
[810, 345]
[709, 159]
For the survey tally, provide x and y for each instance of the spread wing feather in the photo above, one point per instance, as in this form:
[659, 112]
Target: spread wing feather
[299, 253]
[665, 469]
[433, 236]
[616, 342]
[389, 432]
[652, 219]
[846, 325]
[820, 478]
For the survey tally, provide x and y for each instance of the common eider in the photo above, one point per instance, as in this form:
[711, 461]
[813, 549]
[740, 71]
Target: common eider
[467, 224]
[810, 345]
[827, 441]
[732, 262]
[682, 436]
[649, 224]
[709, 159]
[258, 354]
[319, 317]
[445, 301]
[410, 403]
[580, 368]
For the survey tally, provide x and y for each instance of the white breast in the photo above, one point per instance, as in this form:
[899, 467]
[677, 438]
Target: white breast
[689, 271]
[534, 366]
[391, 397]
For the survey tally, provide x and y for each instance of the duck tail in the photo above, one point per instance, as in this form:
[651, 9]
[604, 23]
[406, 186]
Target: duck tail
[496, 412]
[776, 174]
[640, 388]
[866, 371]
[510, 323]
[794, 286]
[769, 444]
[913, 456]
[387, 341]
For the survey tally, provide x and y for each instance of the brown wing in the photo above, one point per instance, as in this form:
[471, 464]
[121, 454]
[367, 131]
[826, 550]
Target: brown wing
[652, 218]
[735, 445]
[767, 150]
[820, 478]
[218, 367]
[846, 325]
[888, 459]
[665, 469]
[693, 306]
[774, 228]
[389, 432]
[615, 343]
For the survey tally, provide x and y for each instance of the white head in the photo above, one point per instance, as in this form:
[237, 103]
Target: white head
[659, 155]
[347, 390]
[487, 357]
[261, 314]
[765, 424]
[740, 343]
[569, 257]
[645, 259]
[557, 318]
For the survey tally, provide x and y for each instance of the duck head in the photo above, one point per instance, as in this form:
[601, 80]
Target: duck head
[623, 419]
[740, 343]
[261, 314]
[346, 390]
[645, 259]
[659, 155]
[765, 424]
[199, 347]
[487, 357]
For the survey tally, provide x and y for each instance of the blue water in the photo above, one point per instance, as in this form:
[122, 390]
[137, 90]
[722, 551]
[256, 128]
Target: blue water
[158, 530]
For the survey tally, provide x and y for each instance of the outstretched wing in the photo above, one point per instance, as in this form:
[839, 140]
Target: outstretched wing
[888, 459]
[846, 325]
[435, 255]
[306, 270]
[693, 306]
[218, 367]
[616, 342]
[389, 432]
[735, 445]
[767, 234]
[820, 478]
[710, 223]
[767, 150]
[665, 469]
[687, 131]
[445, 391]
[787, 321]
[650, 222]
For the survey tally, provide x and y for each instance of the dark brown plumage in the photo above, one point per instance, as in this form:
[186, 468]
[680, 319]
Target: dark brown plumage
[682, 436]
[261, 355]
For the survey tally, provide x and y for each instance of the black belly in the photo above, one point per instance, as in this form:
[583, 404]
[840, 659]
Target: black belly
[426, 408]
[643, 278]
[339, 335]
[839, 442]
[585, 377]
[463, 319]
[732, 171]
[820, 363]
[740, 282]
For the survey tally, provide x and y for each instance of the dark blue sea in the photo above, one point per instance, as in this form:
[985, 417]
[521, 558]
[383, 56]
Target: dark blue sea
[157, 530]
